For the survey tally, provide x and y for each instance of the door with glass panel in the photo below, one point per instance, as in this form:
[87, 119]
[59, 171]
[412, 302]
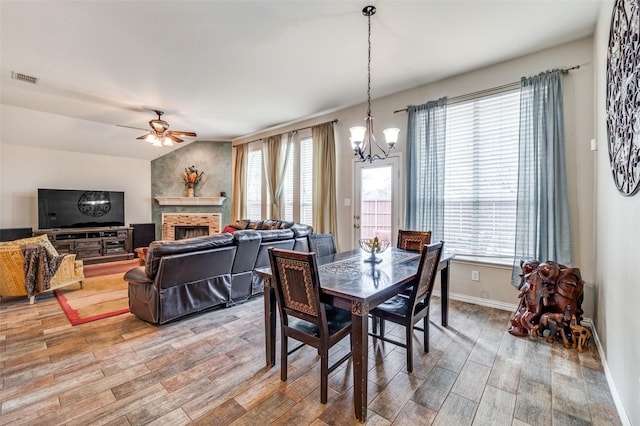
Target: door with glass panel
[376, 200]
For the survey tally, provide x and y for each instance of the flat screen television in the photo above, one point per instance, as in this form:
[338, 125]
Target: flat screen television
[72, 208]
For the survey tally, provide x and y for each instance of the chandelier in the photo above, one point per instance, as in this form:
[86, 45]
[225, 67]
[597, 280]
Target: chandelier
[362, 137]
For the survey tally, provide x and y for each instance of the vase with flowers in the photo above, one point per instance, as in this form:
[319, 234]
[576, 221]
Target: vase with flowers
[191, 177]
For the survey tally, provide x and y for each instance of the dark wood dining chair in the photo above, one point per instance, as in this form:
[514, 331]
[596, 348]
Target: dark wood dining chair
[408, 310]
[322, 244]
[413, 240]
[303, 316]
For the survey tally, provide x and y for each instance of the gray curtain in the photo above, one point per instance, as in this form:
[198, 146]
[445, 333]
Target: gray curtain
[239, 201]
[426, 131]
[325, 217]
[275, 154]
[542, 212]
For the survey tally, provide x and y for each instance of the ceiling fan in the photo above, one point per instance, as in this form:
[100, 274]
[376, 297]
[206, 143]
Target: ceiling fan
[160, 133]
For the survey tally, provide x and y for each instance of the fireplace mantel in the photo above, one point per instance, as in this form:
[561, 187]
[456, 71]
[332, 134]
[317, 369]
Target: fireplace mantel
[190, 201]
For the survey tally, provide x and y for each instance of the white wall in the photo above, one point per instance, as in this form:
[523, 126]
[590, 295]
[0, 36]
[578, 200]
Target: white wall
[617, 253]
[24, 169]
[494, 284]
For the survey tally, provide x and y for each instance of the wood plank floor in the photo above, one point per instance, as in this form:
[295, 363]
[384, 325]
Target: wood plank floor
[209, 369]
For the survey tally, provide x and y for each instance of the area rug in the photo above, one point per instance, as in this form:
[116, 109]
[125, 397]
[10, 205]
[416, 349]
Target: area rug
[109, 268]
[104, 293]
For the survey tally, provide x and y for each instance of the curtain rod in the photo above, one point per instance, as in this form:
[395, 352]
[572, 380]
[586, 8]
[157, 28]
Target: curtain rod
[335, 120]
[488, 91]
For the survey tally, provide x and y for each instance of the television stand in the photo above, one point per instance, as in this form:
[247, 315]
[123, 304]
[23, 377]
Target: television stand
[93, 245]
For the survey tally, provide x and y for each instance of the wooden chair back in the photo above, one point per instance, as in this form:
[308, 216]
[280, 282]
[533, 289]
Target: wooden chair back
[413, 240]
[426, 275]
[295, 275]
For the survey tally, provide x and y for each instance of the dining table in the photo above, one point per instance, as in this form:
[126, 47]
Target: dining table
[355, 281]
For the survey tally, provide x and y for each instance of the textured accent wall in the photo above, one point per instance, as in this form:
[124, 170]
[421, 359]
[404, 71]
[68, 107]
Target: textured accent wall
[212, 158]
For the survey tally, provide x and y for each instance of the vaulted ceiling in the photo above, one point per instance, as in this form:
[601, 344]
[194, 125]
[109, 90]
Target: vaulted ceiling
[225, 69]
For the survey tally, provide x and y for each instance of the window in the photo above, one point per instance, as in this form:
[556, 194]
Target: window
[254, 184]
[481, 175]
[306, 181]
[298, 182]
[289, 183]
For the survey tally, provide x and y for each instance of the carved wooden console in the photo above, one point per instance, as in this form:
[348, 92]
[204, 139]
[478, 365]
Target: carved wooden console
[93, 245]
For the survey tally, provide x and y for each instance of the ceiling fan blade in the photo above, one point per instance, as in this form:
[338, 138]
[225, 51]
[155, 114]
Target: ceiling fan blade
[173, 138]
[178, 133]
[143, 136]
[131, 127]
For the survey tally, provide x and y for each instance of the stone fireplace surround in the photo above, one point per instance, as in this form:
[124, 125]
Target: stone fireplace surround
[171, 220]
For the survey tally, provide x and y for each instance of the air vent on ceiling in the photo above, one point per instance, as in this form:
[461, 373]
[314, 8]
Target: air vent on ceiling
[24, 77]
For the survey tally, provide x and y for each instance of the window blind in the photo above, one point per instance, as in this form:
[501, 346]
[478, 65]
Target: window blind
[481, 173]
[306, 181]
[254, 184]
[288, 190]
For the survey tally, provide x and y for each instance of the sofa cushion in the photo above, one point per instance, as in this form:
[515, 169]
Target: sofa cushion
[248, 243]
[301, 230]
[157, 249]
[42, 240]
[276, 234]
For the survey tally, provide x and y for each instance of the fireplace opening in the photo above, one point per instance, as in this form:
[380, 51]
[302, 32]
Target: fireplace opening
[182, 232]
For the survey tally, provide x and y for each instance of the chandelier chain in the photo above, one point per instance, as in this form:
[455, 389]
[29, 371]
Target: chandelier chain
[369, 70]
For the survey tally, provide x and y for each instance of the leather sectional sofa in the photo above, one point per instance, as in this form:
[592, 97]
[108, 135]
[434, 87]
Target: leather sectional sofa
[187, 276]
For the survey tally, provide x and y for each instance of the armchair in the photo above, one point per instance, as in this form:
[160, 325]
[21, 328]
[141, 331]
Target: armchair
[12, 272]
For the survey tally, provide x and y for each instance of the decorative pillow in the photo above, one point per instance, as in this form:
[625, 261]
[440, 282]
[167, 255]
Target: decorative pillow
[255, 225]
[42, 240]
[231, 228]
[240, 224]
[270, 224]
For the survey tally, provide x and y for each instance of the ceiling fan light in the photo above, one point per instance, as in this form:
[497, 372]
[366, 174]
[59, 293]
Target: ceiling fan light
[159, 135]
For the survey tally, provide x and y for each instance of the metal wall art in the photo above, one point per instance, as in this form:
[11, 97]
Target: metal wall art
[623, 96]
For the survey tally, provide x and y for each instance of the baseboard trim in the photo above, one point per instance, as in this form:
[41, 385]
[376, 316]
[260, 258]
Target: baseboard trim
[624, 418]
[480, 301]
[622, 413]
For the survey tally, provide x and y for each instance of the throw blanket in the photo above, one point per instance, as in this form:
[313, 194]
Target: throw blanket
[39, 267]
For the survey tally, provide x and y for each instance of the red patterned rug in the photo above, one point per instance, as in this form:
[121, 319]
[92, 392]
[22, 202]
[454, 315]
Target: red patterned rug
[104, 293]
